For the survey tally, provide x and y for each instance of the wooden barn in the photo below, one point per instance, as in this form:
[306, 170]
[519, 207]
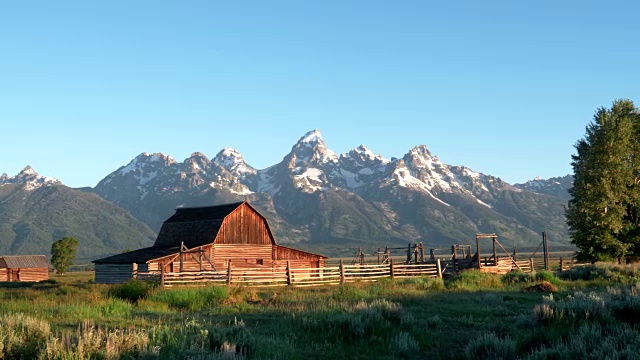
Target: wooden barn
[24, 268]
[207, 238]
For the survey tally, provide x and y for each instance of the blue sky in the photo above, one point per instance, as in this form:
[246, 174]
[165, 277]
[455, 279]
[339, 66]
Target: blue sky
[505, 88]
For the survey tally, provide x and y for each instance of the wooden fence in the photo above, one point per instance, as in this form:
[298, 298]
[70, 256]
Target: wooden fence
[288, 276]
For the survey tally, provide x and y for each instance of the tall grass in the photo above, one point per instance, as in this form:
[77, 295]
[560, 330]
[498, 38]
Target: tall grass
[192, 299]
[469, 316]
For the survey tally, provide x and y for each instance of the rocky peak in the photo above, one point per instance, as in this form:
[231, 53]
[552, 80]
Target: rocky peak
[145, 160]
[197, 162]
[311, 149]
[29, 177]
[232, 161]
[420, 157]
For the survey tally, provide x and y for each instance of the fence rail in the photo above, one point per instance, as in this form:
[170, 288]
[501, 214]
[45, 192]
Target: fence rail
[288, 276]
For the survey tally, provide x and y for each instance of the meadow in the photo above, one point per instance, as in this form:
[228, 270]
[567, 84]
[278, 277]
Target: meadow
[588, 312]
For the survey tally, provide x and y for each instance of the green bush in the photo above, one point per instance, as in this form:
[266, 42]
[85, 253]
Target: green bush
[132, 290]
[423, 283]
[623, 274]
[547, 276]
[517, 277]
[349, 292]
[192, 299]
[474, 280]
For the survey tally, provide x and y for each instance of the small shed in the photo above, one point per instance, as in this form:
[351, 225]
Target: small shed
[207, 238]
[24, 268]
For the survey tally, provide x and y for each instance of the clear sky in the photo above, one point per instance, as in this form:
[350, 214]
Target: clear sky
[505, 88]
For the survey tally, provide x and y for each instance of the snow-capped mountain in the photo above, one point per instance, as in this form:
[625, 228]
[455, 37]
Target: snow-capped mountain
[30, 178]
[555, 186]
[317, 196]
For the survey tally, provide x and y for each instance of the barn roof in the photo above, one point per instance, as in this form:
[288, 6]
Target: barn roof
[23, 261]
[195, 226]
[141, 255]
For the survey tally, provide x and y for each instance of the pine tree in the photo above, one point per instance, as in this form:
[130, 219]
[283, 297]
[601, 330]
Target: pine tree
[603, 212]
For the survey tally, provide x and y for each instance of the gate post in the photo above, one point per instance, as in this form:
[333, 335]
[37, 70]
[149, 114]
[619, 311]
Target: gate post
[439, 268]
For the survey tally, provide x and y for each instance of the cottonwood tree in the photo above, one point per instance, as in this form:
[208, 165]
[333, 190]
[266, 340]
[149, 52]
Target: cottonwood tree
[603, 213]
[63, 252]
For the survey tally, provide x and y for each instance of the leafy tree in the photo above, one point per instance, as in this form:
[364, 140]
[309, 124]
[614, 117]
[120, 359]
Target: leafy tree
[63, 252]
[603, 213]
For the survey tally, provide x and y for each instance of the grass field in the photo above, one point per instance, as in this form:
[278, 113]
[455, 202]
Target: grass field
[590, 312]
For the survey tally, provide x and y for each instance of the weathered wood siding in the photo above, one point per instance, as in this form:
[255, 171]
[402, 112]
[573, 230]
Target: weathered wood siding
[30, 274]
[297, 258]
[191, 260]
[113, 273]
[249, 256]
[3, 274]
[244, 226]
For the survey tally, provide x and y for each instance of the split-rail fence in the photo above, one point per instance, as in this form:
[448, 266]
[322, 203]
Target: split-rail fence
[289, 276]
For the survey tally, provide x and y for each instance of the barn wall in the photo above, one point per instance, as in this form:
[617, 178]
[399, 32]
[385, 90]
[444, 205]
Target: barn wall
[281, 253]
[244, 226]
[30, 274]
[113, 273]
[3, 274]
[242, 256]
[190, 261]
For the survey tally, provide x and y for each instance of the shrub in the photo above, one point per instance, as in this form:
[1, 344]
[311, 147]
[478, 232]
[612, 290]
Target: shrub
[424, 283]
[544, 286]
[22, 337]
[404, 345]
[623, 274]
[547, 276]
[490, 346]
[364, 321]
[517, 277]
[132, 290]
[192, 299]
[474, 280]
[349, 292]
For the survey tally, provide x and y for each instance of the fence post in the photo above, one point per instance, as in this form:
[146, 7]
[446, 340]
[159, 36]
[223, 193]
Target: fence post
[135, 271]
[391, 274]
[439, 267]
[288, 273]
[162, 276]
[229, 273]
[477, 253]
[495, 254]
[531, 265]
[561, 265]
[545, 249]
[342, 277]
[181, 261]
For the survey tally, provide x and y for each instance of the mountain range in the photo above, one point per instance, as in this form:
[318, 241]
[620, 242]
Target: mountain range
[322, 201]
